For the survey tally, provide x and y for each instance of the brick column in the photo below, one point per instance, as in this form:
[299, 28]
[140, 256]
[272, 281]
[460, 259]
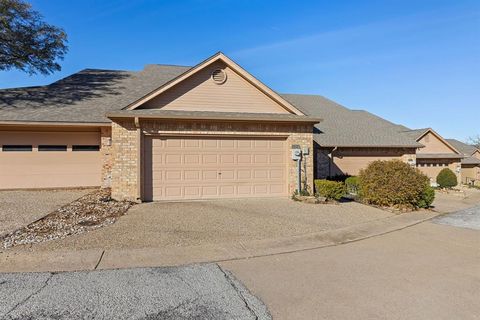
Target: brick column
[125, 161]
[106, 154]
[303, 137]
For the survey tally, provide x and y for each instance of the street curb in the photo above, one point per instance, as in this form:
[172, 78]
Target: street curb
[98, 259]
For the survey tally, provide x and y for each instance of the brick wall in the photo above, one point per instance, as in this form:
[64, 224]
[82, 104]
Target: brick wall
[125, 183]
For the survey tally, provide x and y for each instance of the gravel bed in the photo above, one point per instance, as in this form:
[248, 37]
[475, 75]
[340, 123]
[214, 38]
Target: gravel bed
[92, 211]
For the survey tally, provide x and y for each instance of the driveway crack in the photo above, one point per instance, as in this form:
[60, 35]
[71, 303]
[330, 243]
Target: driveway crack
[33, 294]
[232, 283]
[99, 260]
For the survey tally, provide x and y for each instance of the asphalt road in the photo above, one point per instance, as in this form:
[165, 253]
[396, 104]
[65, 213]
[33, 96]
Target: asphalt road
[469, 218]
[427, 271]
[193, 292]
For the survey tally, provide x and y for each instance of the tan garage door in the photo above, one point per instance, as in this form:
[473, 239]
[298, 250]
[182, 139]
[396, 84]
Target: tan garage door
[49, 159]
[203, 168]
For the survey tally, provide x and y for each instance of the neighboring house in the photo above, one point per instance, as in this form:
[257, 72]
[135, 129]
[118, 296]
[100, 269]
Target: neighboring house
[470, 162]
[346, 141]
[164, 133]
[437, 154]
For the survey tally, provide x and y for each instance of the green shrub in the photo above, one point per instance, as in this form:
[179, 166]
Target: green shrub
[392, 183]
[332, 190]
[352, 184]
[427, 198]
[447, 179]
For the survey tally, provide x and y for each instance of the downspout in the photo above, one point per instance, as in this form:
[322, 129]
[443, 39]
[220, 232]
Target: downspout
[139, 159]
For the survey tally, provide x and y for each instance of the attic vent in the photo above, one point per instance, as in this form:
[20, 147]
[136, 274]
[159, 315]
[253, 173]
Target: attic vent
[219, 76]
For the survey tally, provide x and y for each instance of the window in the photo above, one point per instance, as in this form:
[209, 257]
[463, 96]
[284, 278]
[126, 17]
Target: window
[14, 147]
[52, 148]
[85, 148]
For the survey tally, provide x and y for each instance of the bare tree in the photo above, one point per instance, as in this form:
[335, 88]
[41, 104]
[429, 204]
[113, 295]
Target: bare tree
[27, 42]
[475, 140]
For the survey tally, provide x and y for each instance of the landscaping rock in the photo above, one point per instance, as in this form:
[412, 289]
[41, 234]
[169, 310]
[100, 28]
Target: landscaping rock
[89, 212]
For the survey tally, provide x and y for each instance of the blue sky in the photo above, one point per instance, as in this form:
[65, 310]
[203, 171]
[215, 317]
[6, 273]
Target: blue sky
[413, 62]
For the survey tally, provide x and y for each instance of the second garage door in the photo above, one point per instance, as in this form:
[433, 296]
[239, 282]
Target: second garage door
[211, 167]
[42, 159]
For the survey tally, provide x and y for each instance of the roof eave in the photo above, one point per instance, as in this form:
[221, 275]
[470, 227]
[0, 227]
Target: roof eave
[55, 123]
[369, 146]
[124, 115]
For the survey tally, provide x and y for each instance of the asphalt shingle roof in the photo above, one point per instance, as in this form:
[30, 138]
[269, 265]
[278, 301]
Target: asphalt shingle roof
[414, 133]
[466, 149]
[84, 96]
[470, 160]
[342, 127]
[91, 93]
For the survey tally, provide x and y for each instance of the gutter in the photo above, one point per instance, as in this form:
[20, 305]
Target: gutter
[122, 115]
[55, 123]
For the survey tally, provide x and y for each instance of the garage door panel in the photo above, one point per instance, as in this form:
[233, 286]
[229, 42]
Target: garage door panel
[227, 191]
[191, 159]
[261, 189]
[210, 191]
[172, 158]
[227, 159]
[226, 174]
[209, 175]
[199, 168]
[244, 159]
[173, 191]
[192, 175]
[277, 189]
[244, 174]
[260, 174]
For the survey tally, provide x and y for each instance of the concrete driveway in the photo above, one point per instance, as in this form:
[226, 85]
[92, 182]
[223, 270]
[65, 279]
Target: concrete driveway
[194, 292]
[180, 224]
[19, 208]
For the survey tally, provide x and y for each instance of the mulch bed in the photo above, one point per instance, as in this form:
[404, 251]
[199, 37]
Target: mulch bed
[92, 211]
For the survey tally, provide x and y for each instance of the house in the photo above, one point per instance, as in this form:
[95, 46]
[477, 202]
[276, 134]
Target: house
[163, 133]
[346, 140]
[437, 154]
[470, 162]
[178, 132]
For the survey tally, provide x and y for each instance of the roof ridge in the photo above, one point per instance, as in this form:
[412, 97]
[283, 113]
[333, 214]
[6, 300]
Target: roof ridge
[166, 65]
[21, 88]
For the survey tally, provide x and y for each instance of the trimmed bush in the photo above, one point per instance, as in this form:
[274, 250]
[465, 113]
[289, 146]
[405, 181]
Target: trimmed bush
[332, 190]
[352, 184]
[447, 179]
[392, 184]
[427, 198]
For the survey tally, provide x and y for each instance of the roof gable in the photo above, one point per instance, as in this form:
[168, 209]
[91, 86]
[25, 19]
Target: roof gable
[435, 143]
[194, 90]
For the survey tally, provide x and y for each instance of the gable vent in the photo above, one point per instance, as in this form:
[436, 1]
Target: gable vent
[219, 76]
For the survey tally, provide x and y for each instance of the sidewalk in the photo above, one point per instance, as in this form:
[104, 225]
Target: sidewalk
[11, 261]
